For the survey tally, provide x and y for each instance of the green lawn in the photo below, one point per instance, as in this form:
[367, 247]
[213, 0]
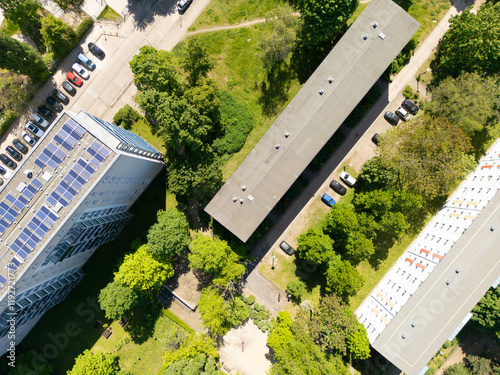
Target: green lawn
[428, 13]
[10, 28]
[109, 14]
[224, 12]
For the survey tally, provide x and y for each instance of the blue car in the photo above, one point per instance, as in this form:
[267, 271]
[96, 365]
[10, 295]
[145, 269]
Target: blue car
[328, 200]
[86, 61]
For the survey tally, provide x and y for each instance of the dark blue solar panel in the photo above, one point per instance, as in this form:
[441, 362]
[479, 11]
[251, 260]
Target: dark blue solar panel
[75, 135]
[99, 157]
[77, 185]
[44, 228]
[3, 280]
[3, 207]
[52, 164]
[67, 195]
[58, 138]
[81, 131]
[56, 159]
[72, 173]
[23, 236]
[66, 128]
[28, 194]
[91, 151]
[63, 202]
[19, 204]
[47, 152]
[37, 183]
[45, 210]
[31, 226]
[31, 188]
[53, 216]
[35, 239]
[82, 162]
[8, 217]
[23, 200]
[31, 243]
[86, 175]
[90, 169]
[67, 146]
[81, 180]
[36, 221]
[22, 254]
[72, 191]
[14, 263]
[39, 163]
[15, 247]
[60, 153]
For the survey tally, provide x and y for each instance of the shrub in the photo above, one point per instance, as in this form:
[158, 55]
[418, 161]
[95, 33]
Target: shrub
[265, 314]
[83, 27]
[237, 121]
[408, 92]
[250, 300]
[297, 289]
[259, 307]
[126, 117]
[255, 316]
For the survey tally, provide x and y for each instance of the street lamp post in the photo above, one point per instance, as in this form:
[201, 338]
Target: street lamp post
[418, 77]
[151, 45]
[274, 257]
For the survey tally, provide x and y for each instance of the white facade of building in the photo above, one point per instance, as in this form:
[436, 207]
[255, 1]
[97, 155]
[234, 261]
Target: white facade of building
[85, 175]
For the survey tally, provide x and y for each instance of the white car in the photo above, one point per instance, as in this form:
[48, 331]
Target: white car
[28, 138]
[34, 129]
[40, 120]
[80, 71]
[347, 179]
[403, 113]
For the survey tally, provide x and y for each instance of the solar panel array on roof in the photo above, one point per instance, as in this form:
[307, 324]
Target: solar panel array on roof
[3, 280]
[32, 234]
[98, 153]
[63, 142]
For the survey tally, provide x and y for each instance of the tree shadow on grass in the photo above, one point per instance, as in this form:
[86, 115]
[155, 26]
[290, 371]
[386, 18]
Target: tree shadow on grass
[306, 58]
[142, 319]
[274, 89]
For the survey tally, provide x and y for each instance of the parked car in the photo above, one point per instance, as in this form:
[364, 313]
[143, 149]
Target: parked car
[347, 179]
[338, 187]
[328, 200]
[40, 120]
[402, 113]
[28, 138]
[60, 96]
[8, 161]
[45, 111]
[287, 248]
[80, 71]
[96, 51]
[376, 138]
[3, 171]
[34, 129]
[69, 88]
[391, 118]
[14, 154]
[1, 181]
[20, 145]
[86, 61]
[410, 106]
[182, 5]
[74, 79]
[54, 103]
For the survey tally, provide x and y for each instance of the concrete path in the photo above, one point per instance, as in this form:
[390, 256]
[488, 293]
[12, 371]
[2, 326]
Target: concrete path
[93, 7]
[52, 7]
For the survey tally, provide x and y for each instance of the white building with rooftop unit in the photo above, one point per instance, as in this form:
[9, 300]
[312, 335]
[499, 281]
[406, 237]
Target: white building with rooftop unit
[70, 194]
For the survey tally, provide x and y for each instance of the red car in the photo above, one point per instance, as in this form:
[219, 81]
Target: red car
[74, 79]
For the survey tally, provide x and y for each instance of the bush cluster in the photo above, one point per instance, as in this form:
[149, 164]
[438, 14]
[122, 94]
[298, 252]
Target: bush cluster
[83, 27]
[126, 117]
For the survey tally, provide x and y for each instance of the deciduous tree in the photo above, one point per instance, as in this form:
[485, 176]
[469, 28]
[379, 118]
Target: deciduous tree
[343, 278]
[471, 44]
[358, 344]
[341, 219]
[20, 58]
[142, 272]
[24, 13]
[169, 236]
[116, 299]
[324, 19]
[194, 345]
[214, 312]
[156, 69]
[205, 97]
[487, 312]
[358, 247]
[314, 247]
[59, 37]
[97, 363]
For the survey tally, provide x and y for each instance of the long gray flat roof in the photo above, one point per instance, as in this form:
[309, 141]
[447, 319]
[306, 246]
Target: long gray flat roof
[311, 118]
[437, 309]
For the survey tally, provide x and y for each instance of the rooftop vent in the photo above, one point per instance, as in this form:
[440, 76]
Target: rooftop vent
[287, 135]
[330, 80]
[381, 36]
[365, 37]
[375, 24]
[235, 199]
[321, 91]
[277, 146]
[243, 188]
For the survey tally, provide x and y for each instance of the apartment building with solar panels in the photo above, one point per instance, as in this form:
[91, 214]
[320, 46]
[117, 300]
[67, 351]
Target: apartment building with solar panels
[70, 194]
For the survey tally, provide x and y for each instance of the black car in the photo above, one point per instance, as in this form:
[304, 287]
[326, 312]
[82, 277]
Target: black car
[391, 118]
[69, 88]
[13, 153]
[8, 161]
[338, 187]
[183, 5]
[45, 111]
[54, 103]
[20, 145]
[96, 51]
[376, 138]
[3, 171]
[287, 248]
[410, 106]
[60, 96]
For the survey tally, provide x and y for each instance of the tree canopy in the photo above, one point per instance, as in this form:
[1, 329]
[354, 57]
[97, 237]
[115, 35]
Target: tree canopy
[25, 14]
[58, 36]
[358, 344]
[215, 313]
[343, 278]
[315, 247]
[471, 44]
[324, 19]
[21, 58]
[429, 154]
[196, 61]
[214, 256]
[169, 236]
[487, 312]
[193, 346]
[142, 272]
[116, 299]
[156, 69]
[97, 363]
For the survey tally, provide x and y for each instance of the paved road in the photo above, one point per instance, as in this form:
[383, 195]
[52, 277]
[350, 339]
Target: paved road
[356, 149]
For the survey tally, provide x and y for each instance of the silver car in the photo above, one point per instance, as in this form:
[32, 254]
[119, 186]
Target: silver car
[78, 69]
[34, 129]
